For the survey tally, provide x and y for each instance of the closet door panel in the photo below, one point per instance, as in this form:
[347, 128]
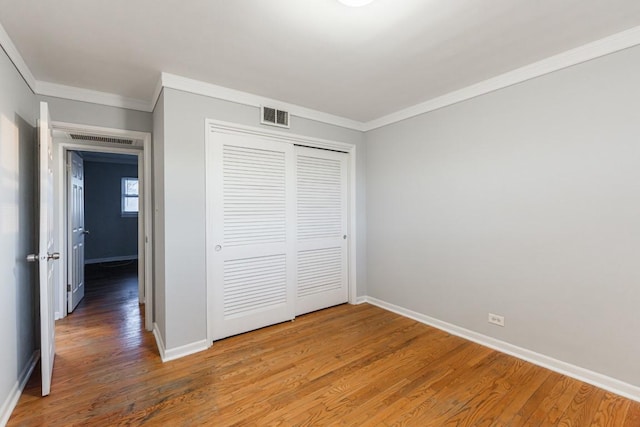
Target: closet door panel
[252, 254]
[321, 228]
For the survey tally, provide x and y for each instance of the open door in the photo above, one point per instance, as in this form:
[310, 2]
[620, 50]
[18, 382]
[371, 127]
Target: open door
[77, 232]
[46, 256]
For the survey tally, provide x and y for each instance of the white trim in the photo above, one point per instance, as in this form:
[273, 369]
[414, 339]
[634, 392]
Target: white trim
[285, 137]
[143, 257]
[210, 300]
[91, 96]
[156, 94]
[146, 241]
[602, 47]
[352, 247]
[159, 341]
[594, 378]
[175, 353]
[137, 136]
[145, 232]
[184, 350]
[16, 58]
[110, 259]
[16, 391]
[360, 300]
[173, 81]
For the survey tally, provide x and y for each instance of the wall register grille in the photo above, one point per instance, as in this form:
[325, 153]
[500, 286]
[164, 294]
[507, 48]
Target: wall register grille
[274, 117]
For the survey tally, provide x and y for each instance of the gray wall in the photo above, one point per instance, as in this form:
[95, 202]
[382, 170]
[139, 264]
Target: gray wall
[70, 111]
[18, 291]
[183, 215]
[111, 234]
[526, 203]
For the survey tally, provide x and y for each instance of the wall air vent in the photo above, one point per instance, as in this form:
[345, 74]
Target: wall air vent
[274, 117]
[105, 139]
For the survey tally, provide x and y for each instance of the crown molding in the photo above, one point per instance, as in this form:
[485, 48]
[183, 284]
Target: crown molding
[16, 58]
[156, 93]
[593, 50]
[91, 96]
[207, 89]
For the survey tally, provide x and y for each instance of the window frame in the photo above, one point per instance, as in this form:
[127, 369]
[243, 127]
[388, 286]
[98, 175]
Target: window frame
[124, 196]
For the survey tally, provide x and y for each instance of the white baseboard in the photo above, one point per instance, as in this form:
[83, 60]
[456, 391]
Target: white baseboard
[111, 259]
[594, 378]
[175, 353]
[361, 300]
[184, 350]
[16, 391]
[159, 341]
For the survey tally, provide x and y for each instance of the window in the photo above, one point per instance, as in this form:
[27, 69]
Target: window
[129, 196]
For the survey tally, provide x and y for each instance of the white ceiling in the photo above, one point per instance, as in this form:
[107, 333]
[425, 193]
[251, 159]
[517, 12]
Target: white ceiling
[358, 63]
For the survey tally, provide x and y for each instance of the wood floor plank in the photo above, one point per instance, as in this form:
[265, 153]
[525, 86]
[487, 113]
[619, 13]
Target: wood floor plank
[516, 395]
[632, 418]
[423, 384]
[347, 365]
[535, 399]
[583, 407]
[473, 410]
[562, 402]
[611, 412]
[539, 414]
[456, 405]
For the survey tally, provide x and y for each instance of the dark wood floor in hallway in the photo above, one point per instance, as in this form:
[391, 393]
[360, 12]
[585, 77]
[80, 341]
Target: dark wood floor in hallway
[348, 365]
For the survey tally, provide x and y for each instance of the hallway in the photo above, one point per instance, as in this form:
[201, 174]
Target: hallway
[104, 332]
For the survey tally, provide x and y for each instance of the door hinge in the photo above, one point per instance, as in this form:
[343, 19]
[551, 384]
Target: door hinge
[68, 288]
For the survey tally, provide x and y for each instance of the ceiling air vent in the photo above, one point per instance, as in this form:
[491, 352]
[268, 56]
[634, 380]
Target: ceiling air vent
[274, 117]
[106, 139]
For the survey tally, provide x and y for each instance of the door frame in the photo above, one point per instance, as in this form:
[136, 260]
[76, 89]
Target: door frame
[145, 216]
[294, 139]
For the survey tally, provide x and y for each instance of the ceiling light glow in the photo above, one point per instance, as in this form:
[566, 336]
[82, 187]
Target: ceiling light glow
[355, 3]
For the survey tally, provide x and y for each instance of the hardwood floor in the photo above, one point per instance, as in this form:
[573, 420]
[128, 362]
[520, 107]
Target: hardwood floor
[348, 365]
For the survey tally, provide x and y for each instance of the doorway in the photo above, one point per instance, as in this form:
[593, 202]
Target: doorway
[102, 217]
[104, 146]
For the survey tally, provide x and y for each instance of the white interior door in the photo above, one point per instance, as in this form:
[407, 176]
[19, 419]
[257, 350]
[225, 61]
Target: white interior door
[321, 229]
[251, 255]
[46, 255]
[76, 230]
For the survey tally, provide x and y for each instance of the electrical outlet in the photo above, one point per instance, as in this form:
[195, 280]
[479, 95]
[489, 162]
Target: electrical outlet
[496, 320]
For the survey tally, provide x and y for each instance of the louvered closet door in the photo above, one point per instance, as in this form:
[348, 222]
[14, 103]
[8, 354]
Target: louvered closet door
[321, 228]
[252, 252]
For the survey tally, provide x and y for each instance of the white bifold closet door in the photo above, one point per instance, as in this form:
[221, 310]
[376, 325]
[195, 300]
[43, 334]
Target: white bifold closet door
[321, 229]
[253, 245]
